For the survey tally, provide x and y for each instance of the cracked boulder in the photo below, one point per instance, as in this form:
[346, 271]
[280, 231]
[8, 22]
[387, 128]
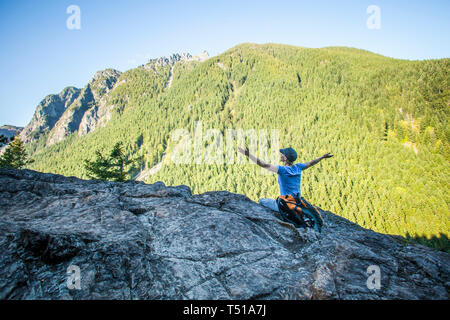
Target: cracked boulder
[67, 238]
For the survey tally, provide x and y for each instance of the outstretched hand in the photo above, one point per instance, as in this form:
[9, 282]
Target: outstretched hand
[244, 152]
[327, 155]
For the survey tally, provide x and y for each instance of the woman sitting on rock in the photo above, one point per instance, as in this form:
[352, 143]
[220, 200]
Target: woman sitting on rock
[289, 174]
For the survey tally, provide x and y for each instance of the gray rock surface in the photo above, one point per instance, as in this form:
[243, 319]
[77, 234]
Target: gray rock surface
[147, 241]
[100, 113]
[59, 115]
[174, 58]
[82, 115]
[164, 61]
[47, 113]
[10, 131]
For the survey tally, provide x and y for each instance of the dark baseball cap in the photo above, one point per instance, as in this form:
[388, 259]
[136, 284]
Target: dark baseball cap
[290, 154]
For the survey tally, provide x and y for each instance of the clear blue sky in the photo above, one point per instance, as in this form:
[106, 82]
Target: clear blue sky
[39, 55]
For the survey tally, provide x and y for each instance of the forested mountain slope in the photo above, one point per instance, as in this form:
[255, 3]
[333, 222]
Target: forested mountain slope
[385, 120]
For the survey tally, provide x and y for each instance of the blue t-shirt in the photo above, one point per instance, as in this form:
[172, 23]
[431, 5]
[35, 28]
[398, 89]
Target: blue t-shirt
[289, 178]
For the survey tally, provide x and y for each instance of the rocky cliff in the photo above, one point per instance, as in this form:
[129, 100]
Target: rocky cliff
[73, 109]
[48, 112]
[83, 114]
[10, 131]
[149, 241]
[174, 58]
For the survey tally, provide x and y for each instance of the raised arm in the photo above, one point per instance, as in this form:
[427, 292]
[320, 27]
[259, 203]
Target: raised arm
[262, 164]
[315, 161]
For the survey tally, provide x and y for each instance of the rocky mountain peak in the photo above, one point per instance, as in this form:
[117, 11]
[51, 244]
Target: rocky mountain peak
[172, 59]
[105, 74]
[9, 130]
[87, 110]
[48, 112]
[176, 57]
[202, 56]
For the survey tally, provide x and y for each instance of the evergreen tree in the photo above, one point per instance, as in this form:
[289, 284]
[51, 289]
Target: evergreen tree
[15, 155]
[112, 167]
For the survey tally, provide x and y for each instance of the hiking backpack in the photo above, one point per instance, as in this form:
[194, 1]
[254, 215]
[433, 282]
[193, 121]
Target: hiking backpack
[295, 209]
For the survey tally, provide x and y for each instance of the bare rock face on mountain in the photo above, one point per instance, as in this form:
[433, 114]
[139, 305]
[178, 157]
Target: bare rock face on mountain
[48, 112]
[83, 113]
[72, 110]
[100, 113]
[71, 118]
[201, 56]
[10, 131]
[147, 241]
[174, 58]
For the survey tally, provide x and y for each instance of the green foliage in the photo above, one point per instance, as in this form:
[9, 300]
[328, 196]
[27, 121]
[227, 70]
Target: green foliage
[111, 167]
[15, 155]
[385, 120]
[3, 140]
